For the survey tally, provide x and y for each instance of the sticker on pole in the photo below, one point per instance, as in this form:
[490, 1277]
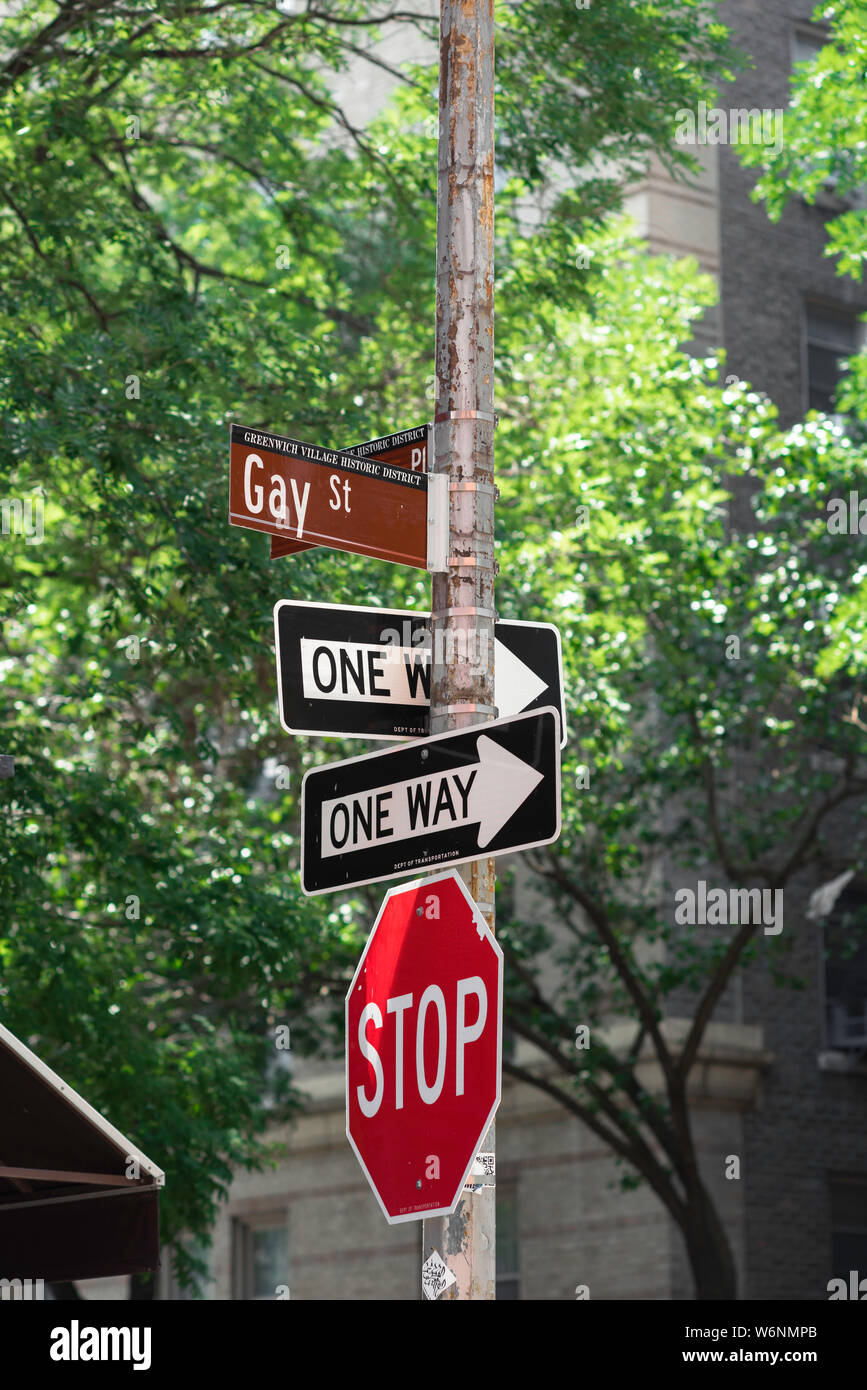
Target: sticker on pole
[436, 1276]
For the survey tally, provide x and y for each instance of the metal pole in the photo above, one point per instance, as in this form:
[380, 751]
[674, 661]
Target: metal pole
[462, 682]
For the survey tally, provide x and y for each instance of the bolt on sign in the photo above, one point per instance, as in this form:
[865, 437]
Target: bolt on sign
[304, 492]
[492, 789]
[424, 1026]
[408, 449]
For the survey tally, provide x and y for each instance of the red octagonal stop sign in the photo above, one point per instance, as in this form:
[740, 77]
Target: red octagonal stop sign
[423, 1046]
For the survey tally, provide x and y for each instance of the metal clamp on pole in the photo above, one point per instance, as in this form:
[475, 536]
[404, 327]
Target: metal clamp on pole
[466, 415]
[473, 561]
[470, 612]
[470, 485]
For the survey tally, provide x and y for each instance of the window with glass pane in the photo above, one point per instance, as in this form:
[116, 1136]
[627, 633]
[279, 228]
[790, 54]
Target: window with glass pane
[832, 336]
[270, 1255]
[845, 961]
[848, 1225]
[806, 47]
[261, 1256]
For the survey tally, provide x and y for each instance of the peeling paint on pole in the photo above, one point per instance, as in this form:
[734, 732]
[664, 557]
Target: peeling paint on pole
[462, 688]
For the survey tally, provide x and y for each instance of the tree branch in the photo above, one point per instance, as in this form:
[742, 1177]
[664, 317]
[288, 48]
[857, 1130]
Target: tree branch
[727, 965]
[736, 872]
[647, 1109]
[74, 283]
[655, 1174]
[646, 1012]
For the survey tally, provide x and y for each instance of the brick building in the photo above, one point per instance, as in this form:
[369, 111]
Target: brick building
[785, 319]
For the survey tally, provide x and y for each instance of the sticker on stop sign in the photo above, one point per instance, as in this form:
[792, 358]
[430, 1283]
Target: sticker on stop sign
[424, 1018]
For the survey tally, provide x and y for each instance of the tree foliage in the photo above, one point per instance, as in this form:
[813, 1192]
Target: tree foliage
[195, 231]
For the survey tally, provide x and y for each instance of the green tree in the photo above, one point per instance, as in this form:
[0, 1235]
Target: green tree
[712, 701]
[824, 149]
[714, 695]
[825, 154]
[194, 231]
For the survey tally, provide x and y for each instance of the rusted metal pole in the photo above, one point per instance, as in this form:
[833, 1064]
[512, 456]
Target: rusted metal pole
[462, 683]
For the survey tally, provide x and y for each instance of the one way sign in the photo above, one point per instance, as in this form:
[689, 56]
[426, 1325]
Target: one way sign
[492, 789]
[365, 672]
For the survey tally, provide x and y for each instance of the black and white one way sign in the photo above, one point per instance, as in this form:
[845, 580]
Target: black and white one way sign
[366, 671]
[492, 789]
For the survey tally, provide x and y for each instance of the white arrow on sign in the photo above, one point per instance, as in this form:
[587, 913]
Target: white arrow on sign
[487, 793]
[519, 685]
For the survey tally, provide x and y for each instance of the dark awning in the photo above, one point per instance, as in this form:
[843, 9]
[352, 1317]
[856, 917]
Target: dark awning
[77, 1199]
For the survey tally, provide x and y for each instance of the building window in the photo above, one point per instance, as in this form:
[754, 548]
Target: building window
[260, 1257]
[279, 1069]
[848, 1226]
[846, 973]
[833, 335]
[508, 1282]
[807, 44]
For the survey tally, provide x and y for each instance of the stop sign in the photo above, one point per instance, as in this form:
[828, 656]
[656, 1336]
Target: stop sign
[423, 1046]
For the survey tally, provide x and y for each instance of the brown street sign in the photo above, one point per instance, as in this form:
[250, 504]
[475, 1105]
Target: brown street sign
[305, 493]
[280, 546]
[407, 449]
